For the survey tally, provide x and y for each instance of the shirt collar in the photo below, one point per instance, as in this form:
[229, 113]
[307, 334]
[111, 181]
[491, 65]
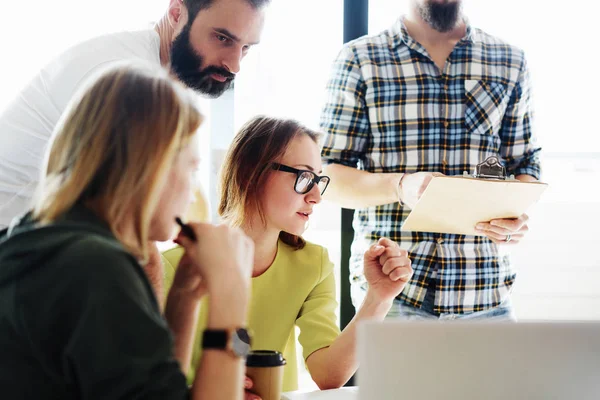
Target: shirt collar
[399, 29]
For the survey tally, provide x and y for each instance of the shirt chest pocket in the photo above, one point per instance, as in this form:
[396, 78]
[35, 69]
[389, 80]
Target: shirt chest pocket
[485, 104]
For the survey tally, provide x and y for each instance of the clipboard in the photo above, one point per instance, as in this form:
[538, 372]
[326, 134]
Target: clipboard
[455, 204]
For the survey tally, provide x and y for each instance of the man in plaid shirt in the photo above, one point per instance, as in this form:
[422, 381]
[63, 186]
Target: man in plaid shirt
[431, 95]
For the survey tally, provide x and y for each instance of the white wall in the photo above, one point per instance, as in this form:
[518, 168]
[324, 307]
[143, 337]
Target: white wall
[559, 262]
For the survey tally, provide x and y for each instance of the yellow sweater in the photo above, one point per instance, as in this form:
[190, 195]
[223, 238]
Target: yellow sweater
[298, 289]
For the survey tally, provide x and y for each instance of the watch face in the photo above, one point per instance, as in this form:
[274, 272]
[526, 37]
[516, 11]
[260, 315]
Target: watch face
[240, 342]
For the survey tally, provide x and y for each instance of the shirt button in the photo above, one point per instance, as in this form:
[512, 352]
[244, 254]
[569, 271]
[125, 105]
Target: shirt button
[440, 241]
[444, 163]
[445, 88]
[446, 123]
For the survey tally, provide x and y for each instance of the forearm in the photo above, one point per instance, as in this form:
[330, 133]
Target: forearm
[181, 314]
[333, 366]
[220, 375]
[353, 188]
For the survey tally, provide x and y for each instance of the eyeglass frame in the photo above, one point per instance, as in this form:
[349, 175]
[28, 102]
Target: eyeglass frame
[314, 181]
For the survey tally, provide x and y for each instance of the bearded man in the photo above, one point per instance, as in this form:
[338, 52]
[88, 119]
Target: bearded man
[431, 95]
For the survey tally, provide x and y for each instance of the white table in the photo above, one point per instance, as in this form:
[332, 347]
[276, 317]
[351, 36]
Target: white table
[345, 393]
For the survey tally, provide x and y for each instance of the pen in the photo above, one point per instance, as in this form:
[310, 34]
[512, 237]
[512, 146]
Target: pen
[186, 229]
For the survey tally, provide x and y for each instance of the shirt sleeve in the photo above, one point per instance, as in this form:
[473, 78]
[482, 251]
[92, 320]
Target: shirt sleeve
[344, 118]
[520, 149]
[117, 345]
[317, 319]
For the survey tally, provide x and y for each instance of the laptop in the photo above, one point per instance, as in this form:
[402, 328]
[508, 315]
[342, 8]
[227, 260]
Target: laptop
[488, 361]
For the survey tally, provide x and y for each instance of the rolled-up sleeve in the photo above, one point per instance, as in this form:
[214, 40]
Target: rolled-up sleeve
[520, 149]
[344, 118]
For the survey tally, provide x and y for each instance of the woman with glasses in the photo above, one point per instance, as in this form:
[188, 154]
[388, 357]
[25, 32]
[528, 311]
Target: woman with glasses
[270, 184]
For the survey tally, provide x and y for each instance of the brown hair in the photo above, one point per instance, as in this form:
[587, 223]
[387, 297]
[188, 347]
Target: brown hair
[113, 147]
[195, 6]
[260, 143]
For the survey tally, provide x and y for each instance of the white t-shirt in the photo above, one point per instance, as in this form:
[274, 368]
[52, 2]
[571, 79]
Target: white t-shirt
[26, 125]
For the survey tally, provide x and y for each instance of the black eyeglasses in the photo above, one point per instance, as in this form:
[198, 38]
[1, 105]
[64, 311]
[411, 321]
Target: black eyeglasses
[305, 179]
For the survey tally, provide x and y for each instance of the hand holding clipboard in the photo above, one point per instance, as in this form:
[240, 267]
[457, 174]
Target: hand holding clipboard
[456, 204]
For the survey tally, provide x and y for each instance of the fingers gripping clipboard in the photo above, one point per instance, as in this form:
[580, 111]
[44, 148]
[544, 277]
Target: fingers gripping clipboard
[455, 204]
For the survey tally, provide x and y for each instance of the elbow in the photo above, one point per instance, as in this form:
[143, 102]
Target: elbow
[327, 385]
[327, 370]
[329, 382]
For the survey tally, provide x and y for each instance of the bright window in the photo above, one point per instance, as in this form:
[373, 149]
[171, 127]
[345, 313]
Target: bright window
[34, 32]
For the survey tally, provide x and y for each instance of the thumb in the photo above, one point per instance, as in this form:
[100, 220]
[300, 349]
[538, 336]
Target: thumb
[374, 252]
[183, 240]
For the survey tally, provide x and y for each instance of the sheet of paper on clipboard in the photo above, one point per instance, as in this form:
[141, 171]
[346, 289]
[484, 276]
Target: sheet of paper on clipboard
[455, 204]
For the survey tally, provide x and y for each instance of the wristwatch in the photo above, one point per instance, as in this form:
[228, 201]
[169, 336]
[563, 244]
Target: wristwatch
[236, 341]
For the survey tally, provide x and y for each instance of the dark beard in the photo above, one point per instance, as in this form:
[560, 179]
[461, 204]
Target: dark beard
[187, 65]
[441, 17]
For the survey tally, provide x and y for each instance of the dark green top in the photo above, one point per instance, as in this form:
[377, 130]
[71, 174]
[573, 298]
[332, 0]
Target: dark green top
[78, 317]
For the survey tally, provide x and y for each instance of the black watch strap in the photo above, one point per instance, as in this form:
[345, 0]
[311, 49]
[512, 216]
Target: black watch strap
[215, 339]
[235, 341]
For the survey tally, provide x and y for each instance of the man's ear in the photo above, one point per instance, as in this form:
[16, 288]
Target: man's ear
[177, 14]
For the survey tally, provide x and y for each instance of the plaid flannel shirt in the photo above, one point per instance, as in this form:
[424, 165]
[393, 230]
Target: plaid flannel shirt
[390, 109]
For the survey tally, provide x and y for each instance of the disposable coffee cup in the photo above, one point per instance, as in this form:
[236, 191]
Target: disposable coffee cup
[265, 368]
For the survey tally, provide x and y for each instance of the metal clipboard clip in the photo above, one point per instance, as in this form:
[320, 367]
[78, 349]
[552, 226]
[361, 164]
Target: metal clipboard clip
[490, 169]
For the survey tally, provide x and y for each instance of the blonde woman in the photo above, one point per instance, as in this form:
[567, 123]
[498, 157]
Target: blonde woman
[78, 316]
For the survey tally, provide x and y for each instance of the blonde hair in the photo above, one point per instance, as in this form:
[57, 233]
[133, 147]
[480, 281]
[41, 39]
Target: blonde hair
[247, 166]
[112, 149]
